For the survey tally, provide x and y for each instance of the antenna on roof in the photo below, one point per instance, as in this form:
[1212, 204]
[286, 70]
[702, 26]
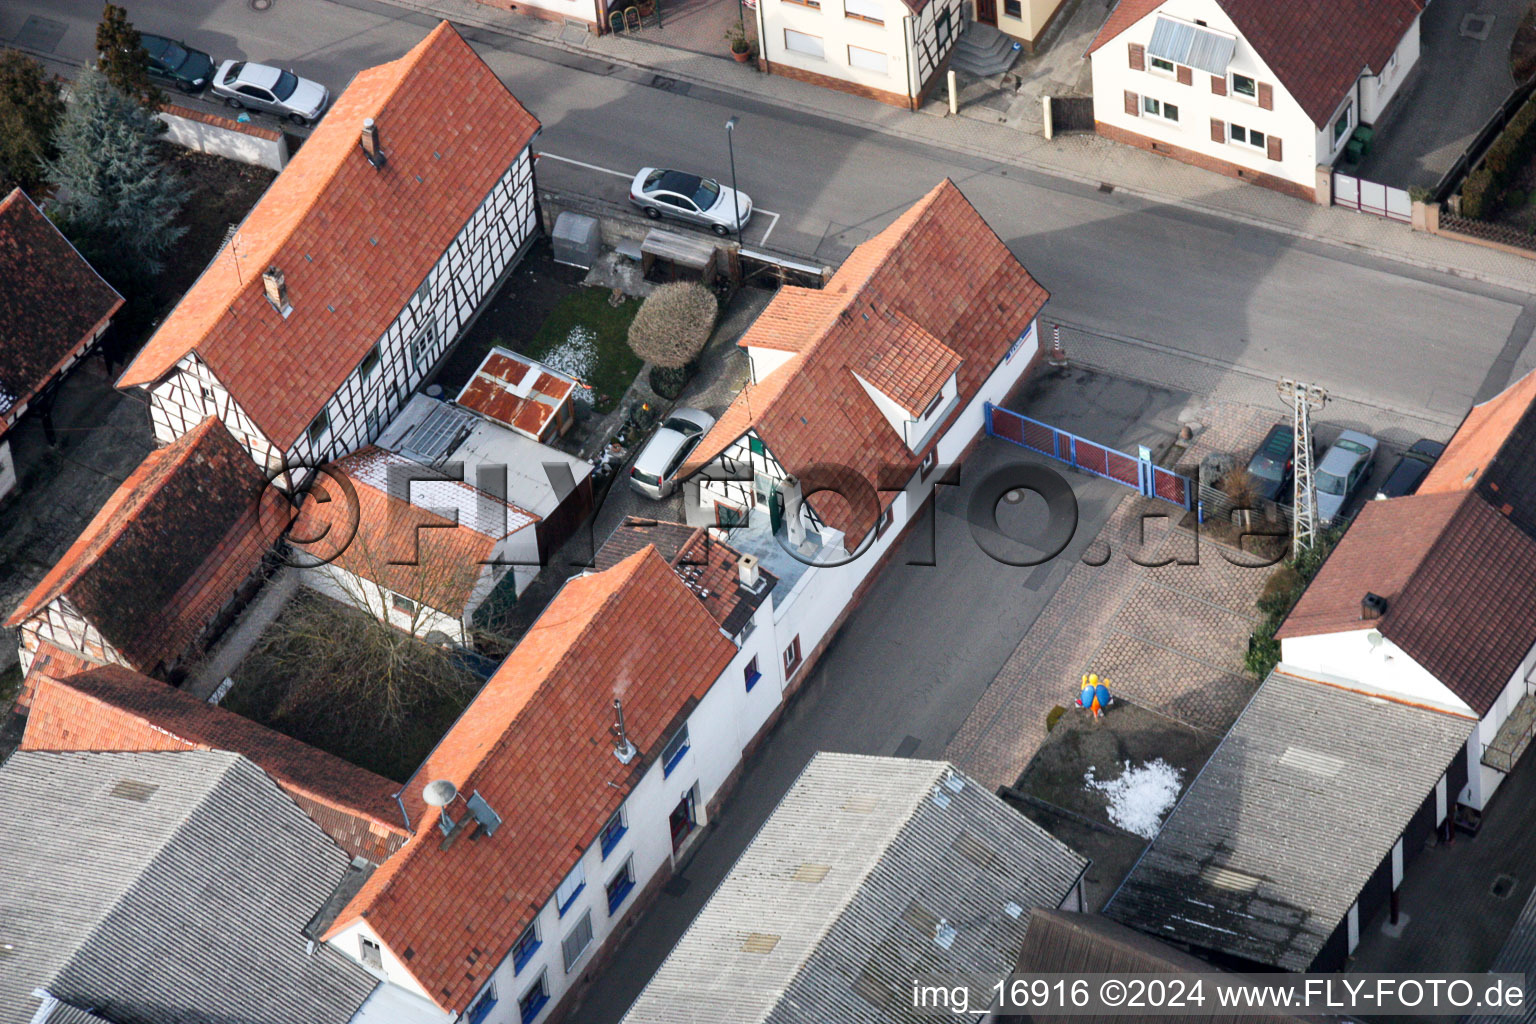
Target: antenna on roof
[441, 794]
[622, 748]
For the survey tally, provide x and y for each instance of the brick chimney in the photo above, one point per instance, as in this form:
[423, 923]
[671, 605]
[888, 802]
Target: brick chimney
[369, 140]
[1373, 606]
[276, 290]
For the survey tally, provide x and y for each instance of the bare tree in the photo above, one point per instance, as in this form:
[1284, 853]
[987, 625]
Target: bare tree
[1243, 489]
[673, 324]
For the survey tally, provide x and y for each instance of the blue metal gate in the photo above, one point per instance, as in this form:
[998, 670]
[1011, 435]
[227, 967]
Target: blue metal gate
[1137, 471]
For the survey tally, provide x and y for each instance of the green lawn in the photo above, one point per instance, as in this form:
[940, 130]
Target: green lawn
[584, 336]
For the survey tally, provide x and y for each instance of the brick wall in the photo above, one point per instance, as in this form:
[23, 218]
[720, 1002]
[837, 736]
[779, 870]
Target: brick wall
[1189, 156]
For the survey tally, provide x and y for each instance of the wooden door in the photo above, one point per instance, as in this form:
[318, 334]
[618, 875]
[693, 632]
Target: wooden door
[986, 12]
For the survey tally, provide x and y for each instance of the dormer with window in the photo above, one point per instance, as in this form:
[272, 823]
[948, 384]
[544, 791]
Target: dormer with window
[911, 376]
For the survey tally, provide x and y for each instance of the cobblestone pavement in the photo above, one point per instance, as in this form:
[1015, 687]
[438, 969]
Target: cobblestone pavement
[1169, 637]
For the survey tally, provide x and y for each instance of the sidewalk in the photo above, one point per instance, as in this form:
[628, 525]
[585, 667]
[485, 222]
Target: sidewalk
[1085, 158]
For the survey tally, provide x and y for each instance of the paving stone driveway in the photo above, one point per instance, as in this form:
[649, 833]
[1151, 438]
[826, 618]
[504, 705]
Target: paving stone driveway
[1169, 637]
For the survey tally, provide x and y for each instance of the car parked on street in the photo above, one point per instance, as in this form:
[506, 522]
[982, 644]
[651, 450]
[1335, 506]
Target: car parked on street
[245, 85]
[1273, 463]
[654, 473]
[689, 197]
[1411, 469]
[1343, 470]
[173, 61]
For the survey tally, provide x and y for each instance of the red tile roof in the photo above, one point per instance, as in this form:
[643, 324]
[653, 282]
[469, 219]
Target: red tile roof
[1380, 553]
[708, 567]
[1125, 14]
[516, 391]
[1317, 48]
[535, 745]
[51, 302]
[938, 268]
[346, 236]
[180, 536]
[401, 545]
[1456, 561]
[114, 708]
[1479, 437]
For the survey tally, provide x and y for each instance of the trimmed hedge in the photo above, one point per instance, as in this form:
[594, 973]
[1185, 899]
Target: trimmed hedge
[1508, 155]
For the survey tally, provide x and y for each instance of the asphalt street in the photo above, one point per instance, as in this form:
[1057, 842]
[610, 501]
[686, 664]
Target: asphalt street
[1369, 328]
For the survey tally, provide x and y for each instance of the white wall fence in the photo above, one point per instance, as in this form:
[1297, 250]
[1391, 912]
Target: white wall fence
[225, 137]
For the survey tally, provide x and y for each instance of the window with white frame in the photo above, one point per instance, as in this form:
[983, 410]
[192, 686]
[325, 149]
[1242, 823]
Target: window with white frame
[422, 345]
[865, 10]
[371, 953]
[867, 60]
[570, 888]
[402, 604]
[803, 43]
[370, 364]
[1242, 85]
[1245, 136]
[1157, 108]
[1164, 66]
[576, 943]
[1342, 125]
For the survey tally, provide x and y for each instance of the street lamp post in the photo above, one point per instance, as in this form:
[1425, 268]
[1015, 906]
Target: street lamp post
[730, 145]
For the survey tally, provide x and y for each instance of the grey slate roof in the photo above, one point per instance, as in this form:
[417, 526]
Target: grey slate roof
[165, 888]
[835, 906]
[1517, 957]
[1062, 942]
[1272, 843]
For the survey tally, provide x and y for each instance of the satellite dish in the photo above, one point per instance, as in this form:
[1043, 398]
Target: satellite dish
[1374, 638]
[440, 793]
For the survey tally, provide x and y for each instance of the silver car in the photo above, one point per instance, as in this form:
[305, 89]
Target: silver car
[654, 473]
[1343, 470]
[248, 86]
[689, 197]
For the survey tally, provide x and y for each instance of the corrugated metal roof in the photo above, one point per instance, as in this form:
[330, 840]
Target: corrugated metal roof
[904, 871]
[1264, 854]
[1198, 47]
[176, 899]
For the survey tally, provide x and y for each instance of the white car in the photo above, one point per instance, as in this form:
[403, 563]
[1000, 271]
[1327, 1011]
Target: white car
[248, 86]
[1343, 470]
[654, 473]
[689, 197]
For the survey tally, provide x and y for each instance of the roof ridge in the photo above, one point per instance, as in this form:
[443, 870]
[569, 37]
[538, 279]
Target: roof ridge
[156, 467]
[274, 241]
[423, 827]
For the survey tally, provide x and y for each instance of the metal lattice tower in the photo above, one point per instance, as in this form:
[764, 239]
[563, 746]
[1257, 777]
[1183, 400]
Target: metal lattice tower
[1303, 399]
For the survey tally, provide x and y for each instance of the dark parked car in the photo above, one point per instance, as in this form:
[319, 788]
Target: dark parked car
[1273, 462]
[177, 63]
[1411, 469]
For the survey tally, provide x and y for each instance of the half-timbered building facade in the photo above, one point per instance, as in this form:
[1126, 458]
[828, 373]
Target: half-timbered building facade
[859, 393]
[359, 268]
[161, 565]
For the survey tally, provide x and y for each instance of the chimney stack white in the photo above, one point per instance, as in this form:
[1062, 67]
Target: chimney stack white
[747, 572]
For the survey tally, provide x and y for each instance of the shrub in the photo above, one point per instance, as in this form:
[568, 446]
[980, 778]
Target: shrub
[1053, 716]
[673, 324]
[1280, 590]
[668, 381]
[1476, 193]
